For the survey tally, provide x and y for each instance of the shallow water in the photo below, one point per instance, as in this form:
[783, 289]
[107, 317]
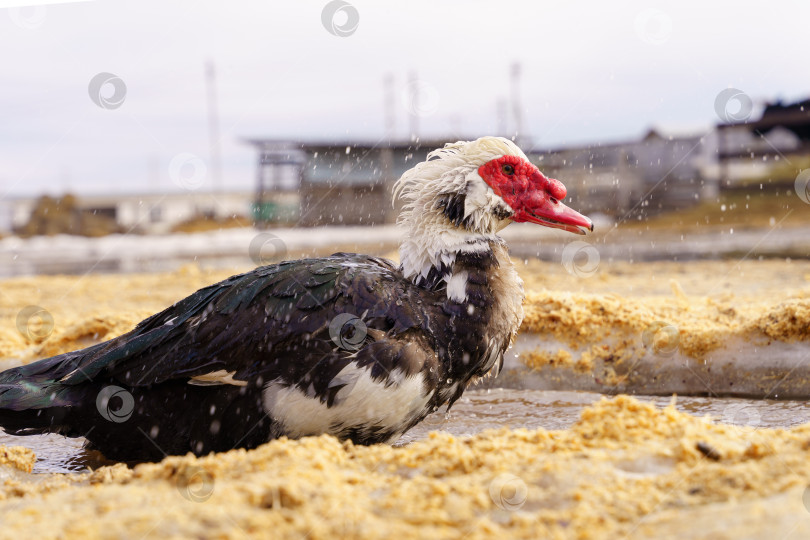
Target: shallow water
[497, 407]
[476, 411]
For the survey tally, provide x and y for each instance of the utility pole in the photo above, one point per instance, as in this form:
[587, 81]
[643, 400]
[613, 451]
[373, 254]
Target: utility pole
[501, 114]
[389, 105]
[517, 106]
[414, 95]
[214, 151]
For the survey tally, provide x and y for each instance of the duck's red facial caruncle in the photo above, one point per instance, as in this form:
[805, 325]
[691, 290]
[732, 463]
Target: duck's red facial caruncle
[533, 197]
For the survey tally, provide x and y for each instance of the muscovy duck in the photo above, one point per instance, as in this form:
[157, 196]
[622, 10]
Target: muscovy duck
[349, 345]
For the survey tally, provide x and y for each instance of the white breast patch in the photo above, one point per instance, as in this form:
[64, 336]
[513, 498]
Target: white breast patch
[361, 402]
[457, 286]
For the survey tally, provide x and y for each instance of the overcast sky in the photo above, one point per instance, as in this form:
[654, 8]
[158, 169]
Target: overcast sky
[591, 71]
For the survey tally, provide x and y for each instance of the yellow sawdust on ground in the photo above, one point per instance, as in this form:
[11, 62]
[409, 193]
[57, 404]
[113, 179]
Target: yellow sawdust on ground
[694, 308]
[18, 457]
[702, 326]
[706, 301]
[540, 358]
[720, 279]
[622, 464]
[88, 309]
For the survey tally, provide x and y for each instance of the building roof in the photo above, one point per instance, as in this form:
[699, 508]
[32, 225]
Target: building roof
[651, 134]
[793, 116]
[322, 144]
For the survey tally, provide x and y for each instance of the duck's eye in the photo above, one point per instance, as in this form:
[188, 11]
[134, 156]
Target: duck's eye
[508, 169]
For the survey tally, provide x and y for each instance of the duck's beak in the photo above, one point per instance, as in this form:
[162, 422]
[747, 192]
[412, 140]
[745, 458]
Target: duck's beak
[552, 213]
[542, 206]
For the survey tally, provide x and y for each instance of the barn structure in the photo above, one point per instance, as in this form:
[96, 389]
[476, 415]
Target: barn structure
[332, 183]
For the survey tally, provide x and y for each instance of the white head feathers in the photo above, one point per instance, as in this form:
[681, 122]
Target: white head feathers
[452, 170]
[458, 155]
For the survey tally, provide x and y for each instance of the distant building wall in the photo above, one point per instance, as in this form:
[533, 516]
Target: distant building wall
[653, 174]
[345, 205]
[142, 212]
[354, 185]
[150, 211]
[769, 151]
[339, 183]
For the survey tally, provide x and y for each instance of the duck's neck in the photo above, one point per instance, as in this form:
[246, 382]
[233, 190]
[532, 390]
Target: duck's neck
[483, 302]
[429, 252]
[466, 265]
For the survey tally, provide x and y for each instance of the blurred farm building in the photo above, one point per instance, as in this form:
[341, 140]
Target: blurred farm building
[770, 150]
[657, 172]
[98, 215]
[337, 183]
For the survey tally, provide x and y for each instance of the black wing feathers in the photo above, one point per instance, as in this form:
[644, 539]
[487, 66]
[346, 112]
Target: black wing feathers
[270, 322]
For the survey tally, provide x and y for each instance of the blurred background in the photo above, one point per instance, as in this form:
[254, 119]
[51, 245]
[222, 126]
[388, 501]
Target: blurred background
[138, 136]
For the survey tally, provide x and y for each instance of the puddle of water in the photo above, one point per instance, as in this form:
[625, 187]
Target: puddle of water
[479, 410]
[57, 454]
[498, 407]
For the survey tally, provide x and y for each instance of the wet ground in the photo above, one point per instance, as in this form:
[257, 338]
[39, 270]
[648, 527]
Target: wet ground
[239, 247]
[479, 410]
